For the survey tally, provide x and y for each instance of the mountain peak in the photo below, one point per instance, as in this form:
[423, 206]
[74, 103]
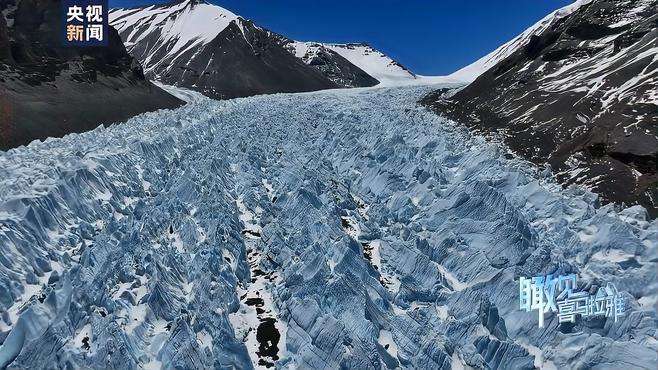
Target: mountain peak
[190, 2]
[182, 26]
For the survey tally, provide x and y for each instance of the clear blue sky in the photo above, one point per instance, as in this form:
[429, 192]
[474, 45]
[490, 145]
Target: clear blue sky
[430, 37]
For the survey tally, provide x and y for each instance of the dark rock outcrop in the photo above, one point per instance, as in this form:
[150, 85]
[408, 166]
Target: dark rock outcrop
[581, 96]
[47, 89]
[5, 49]
[490, 319]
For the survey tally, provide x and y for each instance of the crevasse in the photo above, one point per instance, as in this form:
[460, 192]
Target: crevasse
[338, 228]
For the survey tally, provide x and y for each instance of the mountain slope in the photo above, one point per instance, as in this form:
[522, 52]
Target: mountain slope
[472, 71]
[159, 34]
[330, 63]
[374, 63]
[206, 48]
[380, 66]
[49, 90]
[580, 96]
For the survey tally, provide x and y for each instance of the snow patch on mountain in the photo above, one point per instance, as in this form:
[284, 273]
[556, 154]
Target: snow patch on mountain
[580, 96]
[181, 93]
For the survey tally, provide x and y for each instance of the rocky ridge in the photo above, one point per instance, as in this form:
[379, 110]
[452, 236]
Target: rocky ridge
[47, 89]
[579, 95]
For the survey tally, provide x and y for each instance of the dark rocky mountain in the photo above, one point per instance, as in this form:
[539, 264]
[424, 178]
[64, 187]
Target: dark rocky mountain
[47, 89]
[208, 49]
[580, 94]
[5, 50]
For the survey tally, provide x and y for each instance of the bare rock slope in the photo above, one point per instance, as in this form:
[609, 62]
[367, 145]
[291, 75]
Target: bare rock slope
[48, 90]
[578, 93]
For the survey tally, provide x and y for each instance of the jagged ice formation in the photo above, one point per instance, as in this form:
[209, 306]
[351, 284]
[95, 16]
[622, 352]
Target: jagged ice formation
[340, 228]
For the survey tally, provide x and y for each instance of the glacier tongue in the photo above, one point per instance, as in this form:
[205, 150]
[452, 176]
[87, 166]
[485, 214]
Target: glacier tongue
[333, 229]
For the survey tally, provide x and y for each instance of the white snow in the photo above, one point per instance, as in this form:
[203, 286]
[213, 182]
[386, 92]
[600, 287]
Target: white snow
[84, 332]
[455, 362]
[456, 285]
[186, 95]
[120, 289]
[204, 339]
[179, 27]
[540, 362]
[136, 316]
[386, 340]
[152, 365]
[353, 229]
[247, 319]
[177, 242]
[612, 255]
[375, 63]
[442, 312]
[269, 189]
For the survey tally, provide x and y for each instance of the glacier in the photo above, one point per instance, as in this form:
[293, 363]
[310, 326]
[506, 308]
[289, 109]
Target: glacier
[334, 229]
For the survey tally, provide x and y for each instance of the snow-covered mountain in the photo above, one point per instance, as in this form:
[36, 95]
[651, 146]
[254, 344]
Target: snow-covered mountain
[472, 71]
[577, 91]
[330, 63]
[375, 63]
[161, 34]
[209, 49]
